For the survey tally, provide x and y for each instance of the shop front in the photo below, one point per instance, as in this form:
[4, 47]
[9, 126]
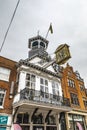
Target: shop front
[77, 122]
[40, 115]
[37, 122]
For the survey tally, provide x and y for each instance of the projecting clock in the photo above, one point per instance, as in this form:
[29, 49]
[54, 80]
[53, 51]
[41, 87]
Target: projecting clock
[62, 54]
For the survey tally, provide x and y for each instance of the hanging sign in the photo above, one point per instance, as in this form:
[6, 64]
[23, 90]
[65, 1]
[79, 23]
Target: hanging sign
[62, 54]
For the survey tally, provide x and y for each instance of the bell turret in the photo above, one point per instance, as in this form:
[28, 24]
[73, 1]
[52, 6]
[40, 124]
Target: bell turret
[38, 46]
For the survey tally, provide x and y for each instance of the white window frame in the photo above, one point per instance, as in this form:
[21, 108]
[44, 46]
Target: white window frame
[55, 88]
[2, 91]
[4, 73]
[30, 81]
[45, 90]
[71, 83]
[45, 86]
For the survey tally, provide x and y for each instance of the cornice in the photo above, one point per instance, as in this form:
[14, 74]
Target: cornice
[26, 63]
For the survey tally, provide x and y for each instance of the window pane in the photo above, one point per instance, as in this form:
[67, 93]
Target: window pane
[74, 99]
[4, 74]
[0, 103]
[55, 88]
[35, 43]
[33, 78]
[41, 81]
[54, 92]
[56, 85]
[28, 76]
[25, 118]
[25, 127]
[71, 83]
[2, 96]
[19, 118]
[42, 44]
[57, 92]
[27, 84]
[46, 89]
[2, 90]
[32, 85]
[30, 81]
[46, 82]
[42, 88]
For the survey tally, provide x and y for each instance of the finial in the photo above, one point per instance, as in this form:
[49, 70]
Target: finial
[38, 32]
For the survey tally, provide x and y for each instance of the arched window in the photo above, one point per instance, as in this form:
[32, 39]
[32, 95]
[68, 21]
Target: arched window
[42, 45]
[35, 45]
[51, 120]
[38, 119]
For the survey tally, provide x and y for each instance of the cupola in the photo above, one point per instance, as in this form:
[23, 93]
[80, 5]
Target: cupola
[38, 46]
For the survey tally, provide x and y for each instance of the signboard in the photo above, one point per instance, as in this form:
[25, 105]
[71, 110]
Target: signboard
[62, 54]
[2, 128]
[3, 120]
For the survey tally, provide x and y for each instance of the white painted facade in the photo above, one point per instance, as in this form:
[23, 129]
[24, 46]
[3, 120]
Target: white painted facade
[41, 97]
[38, 74]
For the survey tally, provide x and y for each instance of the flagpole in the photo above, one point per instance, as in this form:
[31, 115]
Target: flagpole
[47, 34]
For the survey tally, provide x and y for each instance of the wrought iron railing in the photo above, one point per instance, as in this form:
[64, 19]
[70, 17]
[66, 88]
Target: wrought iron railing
[39, 96]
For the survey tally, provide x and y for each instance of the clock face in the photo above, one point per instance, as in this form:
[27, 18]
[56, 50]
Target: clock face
[60, 55]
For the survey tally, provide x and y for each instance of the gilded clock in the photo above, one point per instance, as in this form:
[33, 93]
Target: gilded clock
[62, 54]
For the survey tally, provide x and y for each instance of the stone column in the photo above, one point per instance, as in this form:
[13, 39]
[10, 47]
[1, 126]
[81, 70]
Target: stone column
[31, 126]
[57, 121]
[67, 121]
[45, 126]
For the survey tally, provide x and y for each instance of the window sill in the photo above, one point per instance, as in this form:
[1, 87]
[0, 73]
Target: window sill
[3, 80]
[74, 105]
[1, 107]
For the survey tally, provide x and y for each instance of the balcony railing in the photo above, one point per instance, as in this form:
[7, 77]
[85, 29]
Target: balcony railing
[39, 96]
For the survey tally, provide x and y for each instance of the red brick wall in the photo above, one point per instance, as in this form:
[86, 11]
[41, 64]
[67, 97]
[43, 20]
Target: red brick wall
[7, 63]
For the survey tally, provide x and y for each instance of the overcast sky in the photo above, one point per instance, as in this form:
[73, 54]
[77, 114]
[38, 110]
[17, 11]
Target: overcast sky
[69, 21]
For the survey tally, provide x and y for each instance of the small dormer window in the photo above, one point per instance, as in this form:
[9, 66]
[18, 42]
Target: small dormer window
[42, 45]
[35, 45]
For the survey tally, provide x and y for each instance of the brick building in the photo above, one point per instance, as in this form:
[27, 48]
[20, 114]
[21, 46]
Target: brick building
[7, 82]
[74, 88]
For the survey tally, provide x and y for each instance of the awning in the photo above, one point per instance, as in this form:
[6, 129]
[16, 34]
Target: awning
[17, 127]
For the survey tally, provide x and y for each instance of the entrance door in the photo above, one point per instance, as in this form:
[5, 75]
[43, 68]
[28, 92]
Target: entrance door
[38, 128]
[51, 128]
